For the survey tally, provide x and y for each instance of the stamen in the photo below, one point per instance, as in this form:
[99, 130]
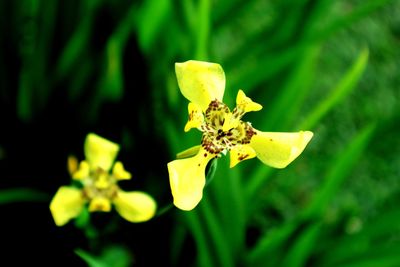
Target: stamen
[223, 130]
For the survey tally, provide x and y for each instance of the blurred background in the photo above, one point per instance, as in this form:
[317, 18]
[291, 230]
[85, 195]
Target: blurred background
[68, 68]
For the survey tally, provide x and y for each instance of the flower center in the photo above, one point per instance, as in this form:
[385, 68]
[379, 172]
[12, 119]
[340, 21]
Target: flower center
[99, 184]
[223, 129]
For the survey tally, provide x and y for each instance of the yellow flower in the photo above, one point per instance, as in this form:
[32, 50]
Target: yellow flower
[203, 84]
[99, 186]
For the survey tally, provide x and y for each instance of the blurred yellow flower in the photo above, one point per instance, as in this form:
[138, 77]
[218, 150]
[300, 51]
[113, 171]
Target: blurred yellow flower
[203, 84]
[99, 186]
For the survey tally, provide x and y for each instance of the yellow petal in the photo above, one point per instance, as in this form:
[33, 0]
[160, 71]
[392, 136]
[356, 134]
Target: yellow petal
[187, 179]
[230, 122]
[245, 103]
[135, 206]
[279, 149]
[72, 164]
[200, 82]
[82, 172]
[66, 204]
[100, 152]
[241, 152]
[100, 204]
[196, 117]
[120, 173]
[102, 181]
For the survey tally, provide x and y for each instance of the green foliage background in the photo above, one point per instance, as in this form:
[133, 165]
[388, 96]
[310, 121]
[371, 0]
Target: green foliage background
[332, 67]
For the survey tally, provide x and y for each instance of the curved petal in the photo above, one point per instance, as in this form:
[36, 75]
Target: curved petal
[200, 82]
[72, 164]
[187, 179]
[135, 206]
[245, 103]
[230, 122]
[100, 204]
[100, 152]
[101, 181]
[239, 153]
[279, 149]
[196, 117]
[82, 172]
[120, 173]
[66, 204]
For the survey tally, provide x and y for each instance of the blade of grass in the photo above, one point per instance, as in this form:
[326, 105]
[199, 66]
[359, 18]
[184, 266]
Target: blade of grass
[89, 259]
[296, 46]
[16, 195]
[384, 261]
[117, 256]
[219, 242]
[76, 45]
[341, 90]
[302, 247]
[256, 180]
[203, 30]
[226, 9]
[179, 234]
[227, 193]
[255, 70]
[275, 36]
[268, 243]
[285, 108]
[189, 15]
[205, 256]
[152, 16]
[345, 161]
[362, 243]
[111, 85]
[341, 168]
[344, 87]
[359, 12]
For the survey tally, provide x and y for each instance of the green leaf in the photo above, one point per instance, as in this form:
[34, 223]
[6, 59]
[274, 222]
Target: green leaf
[251, 73]
[269, 243]
[362, 244]
[339, 170]
[284, 109]
[212, 244]
[83, 219]
[359, 12]
[385, 261]
[16, 195]
[335, 175]
[117, 256]
[378, 254]
[210, 170]
[24, 96]
[219, 242]
[90, 259]
[152, 16]
[75, 47]
[111, 85]
[228, 199]
[113, 255]
[342, 89]
[205, 254]
[302, 247]
[203, 30]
